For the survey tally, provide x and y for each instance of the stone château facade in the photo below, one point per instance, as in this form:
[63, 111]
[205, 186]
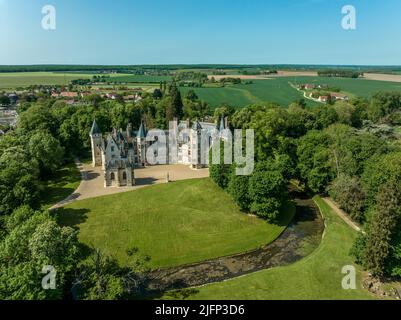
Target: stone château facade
[121, 151]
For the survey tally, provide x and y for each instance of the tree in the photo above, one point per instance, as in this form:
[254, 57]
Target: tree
[219, 173]
[238, 188]
[157, 94]
[383, 104]
[315, 166]
[18, 180]
[347, 192]
[4, 100]
[47, 150]
[346, 113]
[379, 170]
[175, 108]
[32, 241]
[101, 278]
[326, 115]
[191, 95]
[37, 117]
[267, 190]
[381, 231]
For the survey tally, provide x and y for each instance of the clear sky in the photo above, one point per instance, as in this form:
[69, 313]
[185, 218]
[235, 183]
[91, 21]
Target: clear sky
[200, 31]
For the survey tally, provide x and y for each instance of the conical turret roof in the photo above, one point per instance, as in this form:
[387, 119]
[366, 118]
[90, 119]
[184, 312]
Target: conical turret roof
[141, 132]
[95, 129]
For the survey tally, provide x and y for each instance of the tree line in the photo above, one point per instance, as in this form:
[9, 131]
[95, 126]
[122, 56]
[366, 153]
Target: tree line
[327, 149]
[49, 134]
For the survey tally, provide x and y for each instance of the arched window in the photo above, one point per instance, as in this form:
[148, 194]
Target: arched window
[124, 176]
[112, 177]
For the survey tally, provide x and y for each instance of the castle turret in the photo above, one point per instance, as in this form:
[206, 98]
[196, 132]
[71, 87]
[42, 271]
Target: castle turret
[196, 145]
[141, 145]
[96, 144]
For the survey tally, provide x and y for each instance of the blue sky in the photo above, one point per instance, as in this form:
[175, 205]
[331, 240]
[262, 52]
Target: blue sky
[200, 31]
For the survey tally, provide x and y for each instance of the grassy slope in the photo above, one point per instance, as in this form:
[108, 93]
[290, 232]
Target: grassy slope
[318, 276]
[65, 182]
[177, 223]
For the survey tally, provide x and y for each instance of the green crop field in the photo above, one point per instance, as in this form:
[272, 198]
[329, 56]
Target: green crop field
[355, 87]
[176, 223]
[24, 79]
[141, 79]
[280, 91]
[260, 91]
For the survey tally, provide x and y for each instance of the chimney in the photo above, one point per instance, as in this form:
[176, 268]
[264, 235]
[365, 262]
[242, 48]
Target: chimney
[226, 122]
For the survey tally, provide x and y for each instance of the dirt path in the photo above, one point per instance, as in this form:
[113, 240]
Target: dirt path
[342, 214]
[92, 183]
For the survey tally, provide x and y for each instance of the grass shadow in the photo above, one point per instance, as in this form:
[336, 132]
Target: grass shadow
[68, 217]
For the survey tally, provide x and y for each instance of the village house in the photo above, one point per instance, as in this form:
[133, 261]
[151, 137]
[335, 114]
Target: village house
[309, 86]
[68, 94]
[339, 96]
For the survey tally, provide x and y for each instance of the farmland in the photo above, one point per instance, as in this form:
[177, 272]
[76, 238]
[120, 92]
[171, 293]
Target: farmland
[279, 90]
[24, 79]
[275, 89]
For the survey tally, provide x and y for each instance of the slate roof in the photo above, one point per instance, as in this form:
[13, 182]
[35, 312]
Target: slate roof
[95, 129]
[141, 132]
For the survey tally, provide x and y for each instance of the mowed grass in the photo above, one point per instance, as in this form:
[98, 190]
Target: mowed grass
[64, 182]
[318, 276]
[177, 223]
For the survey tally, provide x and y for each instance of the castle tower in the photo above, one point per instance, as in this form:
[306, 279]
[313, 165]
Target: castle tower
[96, 144]
[141, 145]
[196, 146]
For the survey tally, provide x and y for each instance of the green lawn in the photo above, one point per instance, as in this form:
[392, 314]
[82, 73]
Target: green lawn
[177, 223]
[317, 276]
[65, 181]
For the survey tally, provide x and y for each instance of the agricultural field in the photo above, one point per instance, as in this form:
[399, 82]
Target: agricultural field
[279, 90]
[25, 79]
[140, 79]
[177, 223]
[275, 89]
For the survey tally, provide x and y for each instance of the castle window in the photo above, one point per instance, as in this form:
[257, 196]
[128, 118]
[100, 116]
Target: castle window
[124, 176]
[112, 177]
[112, 149]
